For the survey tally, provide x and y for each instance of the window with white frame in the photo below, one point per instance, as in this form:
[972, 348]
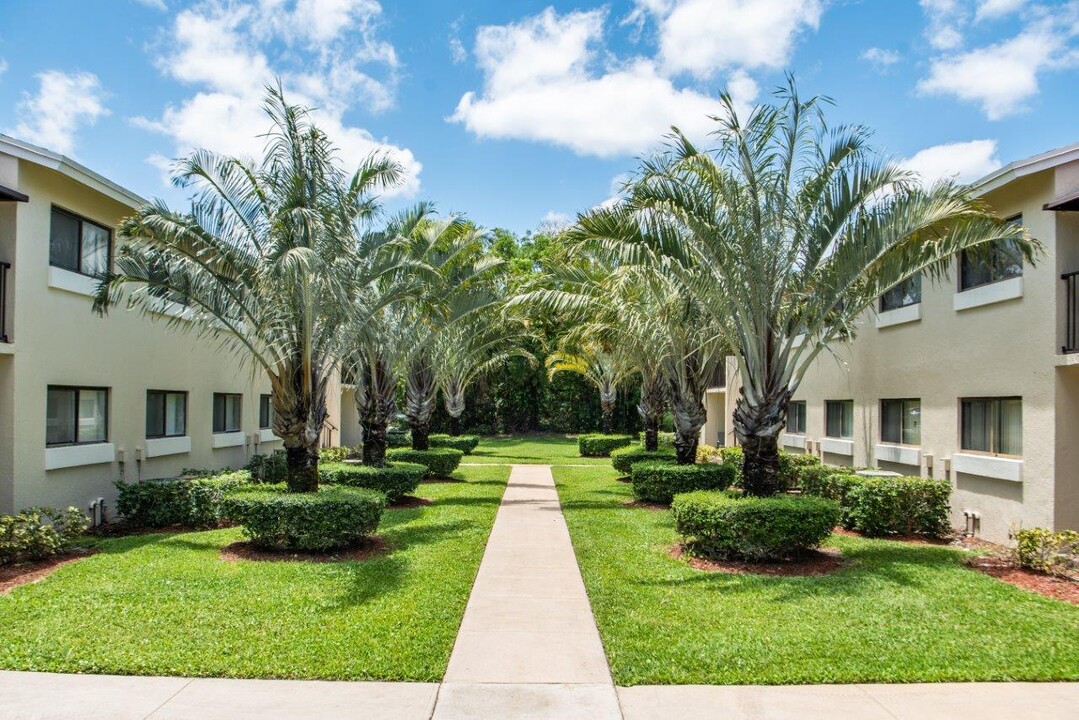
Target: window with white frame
[901, 422]
[908, 292]
[78, 244]
[796, 417]
[166, 413]
[265, 411]
[839, 418]
[76, 415]
[998, 261]
[992, 425]
[227, 412]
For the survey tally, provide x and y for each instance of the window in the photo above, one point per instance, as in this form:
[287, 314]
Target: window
[839, 418]
[901, 422]
[796, 417]
[227, 408]
[265, 412]
[76, 415]
[79, 245]
[992, 425]
[908, 292]
[999, 261]
[166, 413]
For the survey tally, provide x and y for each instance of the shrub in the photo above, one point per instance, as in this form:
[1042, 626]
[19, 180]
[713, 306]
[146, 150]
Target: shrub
[37, 533]
[732, 526]
[464, 443]
[658, 481]
[270, 468]
[440, 462]
[1055, 553]
[666, 439]
[338, 454]
[791, 467]
[624, 458]
[398, 438]
[334, 517]
[189, 501]
[600, 445]
[709, 453]
[394, 480]
[733, 458]
[898, 505]
[828, 482]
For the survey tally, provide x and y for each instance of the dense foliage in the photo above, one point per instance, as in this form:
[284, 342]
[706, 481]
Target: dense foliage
[38, 533]
[194, 502]
[394, 479]
[882, 505]
[624, 458]
[600, 445]
[439, 462]
[1054, 553]
[658, 481]
[464, 443]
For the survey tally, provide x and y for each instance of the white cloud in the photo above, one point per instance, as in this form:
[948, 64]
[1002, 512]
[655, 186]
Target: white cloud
[703, 37]
[154, 4]
[961, 161]
[880, 58]
[1003, 76]
[945, 17]
[3, 66]
[457, 51]
[992, 9]
[554, 221]
[543, 81]
[63, 104]
[321, 50]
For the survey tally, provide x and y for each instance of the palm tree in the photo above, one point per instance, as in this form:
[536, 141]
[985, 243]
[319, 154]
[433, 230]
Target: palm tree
[789, 227]
[605, 368]
[263, 261]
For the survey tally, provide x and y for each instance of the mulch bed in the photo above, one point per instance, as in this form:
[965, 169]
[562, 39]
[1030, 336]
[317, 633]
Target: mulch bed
[372, 547]
[1003, 567]
[644, 505]
[816, 562]
[12, 576]
[409, 501]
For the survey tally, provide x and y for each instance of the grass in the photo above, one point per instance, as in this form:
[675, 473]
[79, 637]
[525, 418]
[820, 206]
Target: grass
[166, 604]
[897, 613]
[531, 450]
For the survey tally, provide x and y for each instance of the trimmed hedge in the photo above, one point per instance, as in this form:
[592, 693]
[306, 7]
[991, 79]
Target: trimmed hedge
[190, 501]
[398, 438]
[393, 480]
[792, 465]
[334, 517]
[39, 532]
[624, 458]
[1053, 553]
[733, 457]
[731, 526]
[879, 506]
[600, 445]
[464, 443]
[440, 462]
[658, 481]
[272, 468]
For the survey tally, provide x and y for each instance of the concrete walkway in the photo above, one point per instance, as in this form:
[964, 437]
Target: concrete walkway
[528, 648]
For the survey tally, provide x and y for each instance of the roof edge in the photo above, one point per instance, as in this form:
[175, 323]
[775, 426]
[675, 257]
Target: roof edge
[1027, 166]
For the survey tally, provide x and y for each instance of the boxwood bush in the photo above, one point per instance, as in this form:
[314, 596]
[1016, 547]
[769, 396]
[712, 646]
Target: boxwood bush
[658, 481]
[600, 445]
[727, 525]
[898, 505]
[189, 501]
[464, 443]
[398, 438]
[334, 517]
[271, 468]
[440, 462]
[38, 533]
[623, 458]
[1053, 553]
[792, 465]
[394, 480]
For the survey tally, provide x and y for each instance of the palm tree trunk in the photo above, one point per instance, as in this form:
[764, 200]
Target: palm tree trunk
[421, 394]
[421, 432]
[757, 427]
[453, 396]
[374, 443]
[607, 410]
[298, 418]
[455, 425]
[302, 468]
[651, 409]
[376, 386]
[651, 434]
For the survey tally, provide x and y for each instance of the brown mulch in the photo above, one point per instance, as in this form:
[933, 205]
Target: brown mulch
[1003, 567]
[409, 501]
[371, 547]
[815, 562]
[12, 576]
[644, 505]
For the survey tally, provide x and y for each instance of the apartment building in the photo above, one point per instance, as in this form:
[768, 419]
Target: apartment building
[85, 400]
[974, 379]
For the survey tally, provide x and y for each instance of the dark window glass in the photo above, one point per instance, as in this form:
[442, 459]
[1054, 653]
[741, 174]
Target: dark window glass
[999, 261]
[839, 418]
[796, 417]
[78, 244]
[992, 425]
[908, 292]
[265, 412]
[227, 408]
[901, 422]
[64, 241]
[76, 415]
[166, 413]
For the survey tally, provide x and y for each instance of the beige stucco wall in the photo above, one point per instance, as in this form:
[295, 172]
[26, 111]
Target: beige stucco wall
[1010, 348]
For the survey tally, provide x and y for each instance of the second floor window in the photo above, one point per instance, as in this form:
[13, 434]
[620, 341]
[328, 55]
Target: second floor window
[992, 425]
[796, 417]
[79, 245]
[76, 415]
[999, 261]
[166, 413]
[901, 422]
[908, 292]
[839, 418]
[265, 412]
[227, 412]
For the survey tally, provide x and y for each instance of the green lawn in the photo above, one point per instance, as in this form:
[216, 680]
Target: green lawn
[168, 605]
[531, 450]
[898, 613]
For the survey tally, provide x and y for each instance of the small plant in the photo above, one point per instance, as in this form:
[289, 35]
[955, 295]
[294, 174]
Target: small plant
[709, 453]
[792, 465]
[657, 481]
[39, 532]
[270, 468]
[464, 443]
[727, 525]
[333, 517]
[188, 501]
[394, 480]
[1053, 553]
[398, 438]
[599, 445]
[733, 458]
[440, 462]
[904, 506]
[623, 459]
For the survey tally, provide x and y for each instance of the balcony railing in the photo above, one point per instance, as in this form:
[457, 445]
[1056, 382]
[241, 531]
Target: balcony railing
[1071, 316]
[4, 267]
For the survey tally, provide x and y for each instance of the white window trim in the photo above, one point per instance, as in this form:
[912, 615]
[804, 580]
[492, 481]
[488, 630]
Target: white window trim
[899, 454]
[266, 435]
[793, 440]
[899, 316]
[988, 294]
[837, 446]
[157, 447]
[990, 466]
[66, 456]
[228, 439]
[72, 282]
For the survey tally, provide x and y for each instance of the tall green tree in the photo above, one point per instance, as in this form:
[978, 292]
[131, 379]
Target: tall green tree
[605, 368]
[790, 226]
[263, 262]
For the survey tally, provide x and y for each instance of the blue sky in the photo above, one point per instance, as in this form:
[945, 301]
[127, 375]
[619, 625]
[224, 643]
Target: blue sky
[521, 112]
